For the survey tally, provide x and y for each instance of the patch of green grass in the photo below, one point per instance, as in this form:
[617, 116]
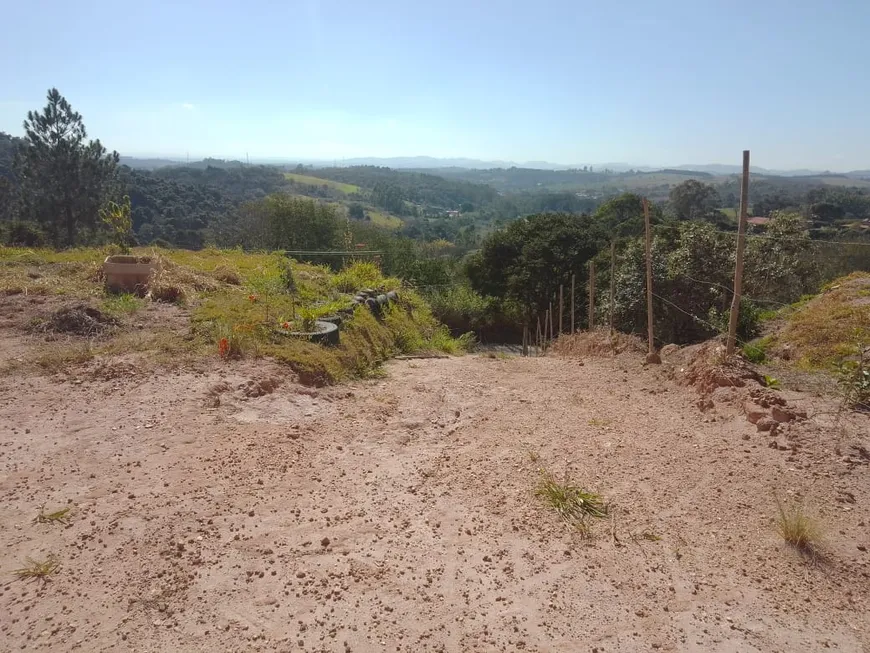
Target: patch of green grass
[572, 503]
[125, 303]
[385, 220]
[38, 570]
[61, 516]
[797, 528]
[360, 275]
[772, 382]
[308, 180]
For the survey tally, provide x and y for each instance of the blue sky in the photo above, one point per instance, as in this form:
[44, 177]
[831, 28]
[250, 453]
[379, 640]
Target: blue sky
[567, 81]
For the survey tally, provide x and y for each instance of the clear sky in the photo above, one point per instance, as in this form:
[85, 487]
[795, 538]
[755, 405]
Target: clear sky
[661, 82]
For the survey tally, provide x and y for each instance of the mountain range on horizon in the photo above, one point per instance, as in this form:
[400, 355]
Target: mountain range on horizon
[430, 163]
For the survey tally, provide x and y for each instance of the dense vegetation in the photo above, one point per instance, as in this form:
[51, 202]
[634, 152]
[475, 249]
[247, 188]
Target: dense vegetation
[489, 248]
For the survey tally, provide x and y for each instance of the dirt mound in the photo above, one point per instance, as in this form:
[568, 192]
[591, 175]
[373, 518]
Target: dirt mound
[709, 368]
[597, 343]
[79, 320]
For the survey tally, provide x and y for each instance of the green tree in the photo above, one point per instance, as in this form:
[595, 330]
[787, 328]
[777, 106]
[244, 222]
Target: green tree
[528, 260]
[356, 211]
[692, 200]
[286, 222]
[623, 215]
[63, 178]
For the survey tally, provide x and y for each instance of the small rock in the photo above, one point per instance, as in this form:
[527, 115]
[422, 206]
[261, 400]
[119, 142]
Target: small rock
[324, 542]
[754, 412]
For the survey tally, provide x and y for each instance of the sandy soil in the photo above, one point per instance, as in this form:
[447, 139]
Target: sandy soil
[231, 509]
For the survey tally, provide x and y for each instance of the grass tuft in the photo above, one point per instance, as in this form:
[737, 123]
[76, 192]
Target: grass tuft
[572, 503]
[38, 570]
[797, 528]
[61, 516]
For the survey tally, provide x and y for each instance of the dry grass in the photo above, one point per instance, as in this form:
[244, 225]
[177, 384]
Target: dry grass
[56, 357]
[798, 528]
[241, 305]
[38, 570]
[830, 327]
[61, 516]
[596, 343]
[572, 503]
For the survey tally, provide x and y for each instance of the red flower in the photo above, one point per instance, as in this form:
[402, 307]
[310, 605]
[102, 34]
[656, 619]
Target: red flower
[252, 298]
[286, 325]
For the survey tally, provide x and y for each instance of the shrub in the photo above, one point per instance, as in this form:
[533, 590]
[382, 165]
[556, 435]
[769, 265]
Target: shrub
[358, 275]
[24, 234]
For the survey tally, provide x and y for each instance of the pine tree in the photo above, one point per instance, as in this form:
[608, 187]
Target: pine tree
[63, 178]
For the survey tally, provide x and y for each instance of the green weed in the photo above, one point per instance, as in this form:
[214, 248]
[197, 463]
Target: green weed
[125, 303]
[572, 503]
[772, 382]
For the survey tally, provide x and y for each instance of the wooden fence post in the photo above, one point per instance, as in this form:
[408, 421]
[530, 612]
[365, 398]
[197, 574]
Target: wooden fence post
[651, 356]
[612, 282]
[573, 324]
[591, 295]
[561, 308]
[738, 267]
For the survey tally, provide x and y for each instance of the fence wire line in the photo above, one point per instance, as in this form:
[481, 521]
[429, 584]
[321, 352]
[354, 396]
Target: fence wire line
[731, 290]
[814, 241]
[698, 319]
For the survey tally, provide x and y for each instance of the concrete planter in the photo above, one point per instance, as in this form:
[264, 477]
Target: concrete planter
[325, 333]
[129, 273]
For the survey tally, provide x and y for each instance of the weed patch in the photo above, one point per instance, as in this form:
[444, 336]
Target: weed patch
[572, 503]
[61, 516]
[797, 528]
[38, 570]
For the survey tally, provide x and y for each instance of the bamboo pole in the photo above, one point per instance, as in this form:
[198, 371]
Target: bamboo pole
[738, 267]
[561, 307]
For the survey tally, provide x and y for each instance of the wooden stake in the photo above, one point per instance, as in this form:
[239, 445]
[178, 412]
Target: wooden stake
[525, 340]
[612, 282]
[573, 324]
[561, 307]
[551, 320]
[649, 297]
[738, 267]
[591, 295]
[539, 336]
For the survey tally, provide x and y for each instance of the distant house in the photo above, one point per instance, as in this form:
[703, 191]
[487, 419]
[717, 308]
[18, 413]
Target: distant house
[453, 214]
[758, 221]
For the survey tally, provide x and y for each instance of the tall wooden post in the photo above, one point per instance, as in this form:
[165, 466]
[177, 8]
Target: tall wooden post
[738, 267]
[591, 295]
[550, 313]
[573, 324]
[612, 282]
[651, 356]
[561, 307]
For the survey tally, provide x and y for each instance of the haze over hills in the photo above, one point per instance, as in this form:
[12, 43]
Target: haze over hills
[430, 163]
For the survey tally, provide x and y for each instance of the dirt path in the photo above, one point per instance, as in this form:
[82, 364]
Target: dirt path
[399, 515]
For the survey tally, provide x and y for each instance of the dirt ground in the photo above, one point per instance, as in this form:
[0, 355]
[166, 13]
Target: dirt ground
[230, 509]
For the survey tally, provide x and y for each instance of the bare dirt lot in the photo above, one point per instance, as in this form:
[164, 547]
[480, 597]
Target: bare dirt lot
[230, 509]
